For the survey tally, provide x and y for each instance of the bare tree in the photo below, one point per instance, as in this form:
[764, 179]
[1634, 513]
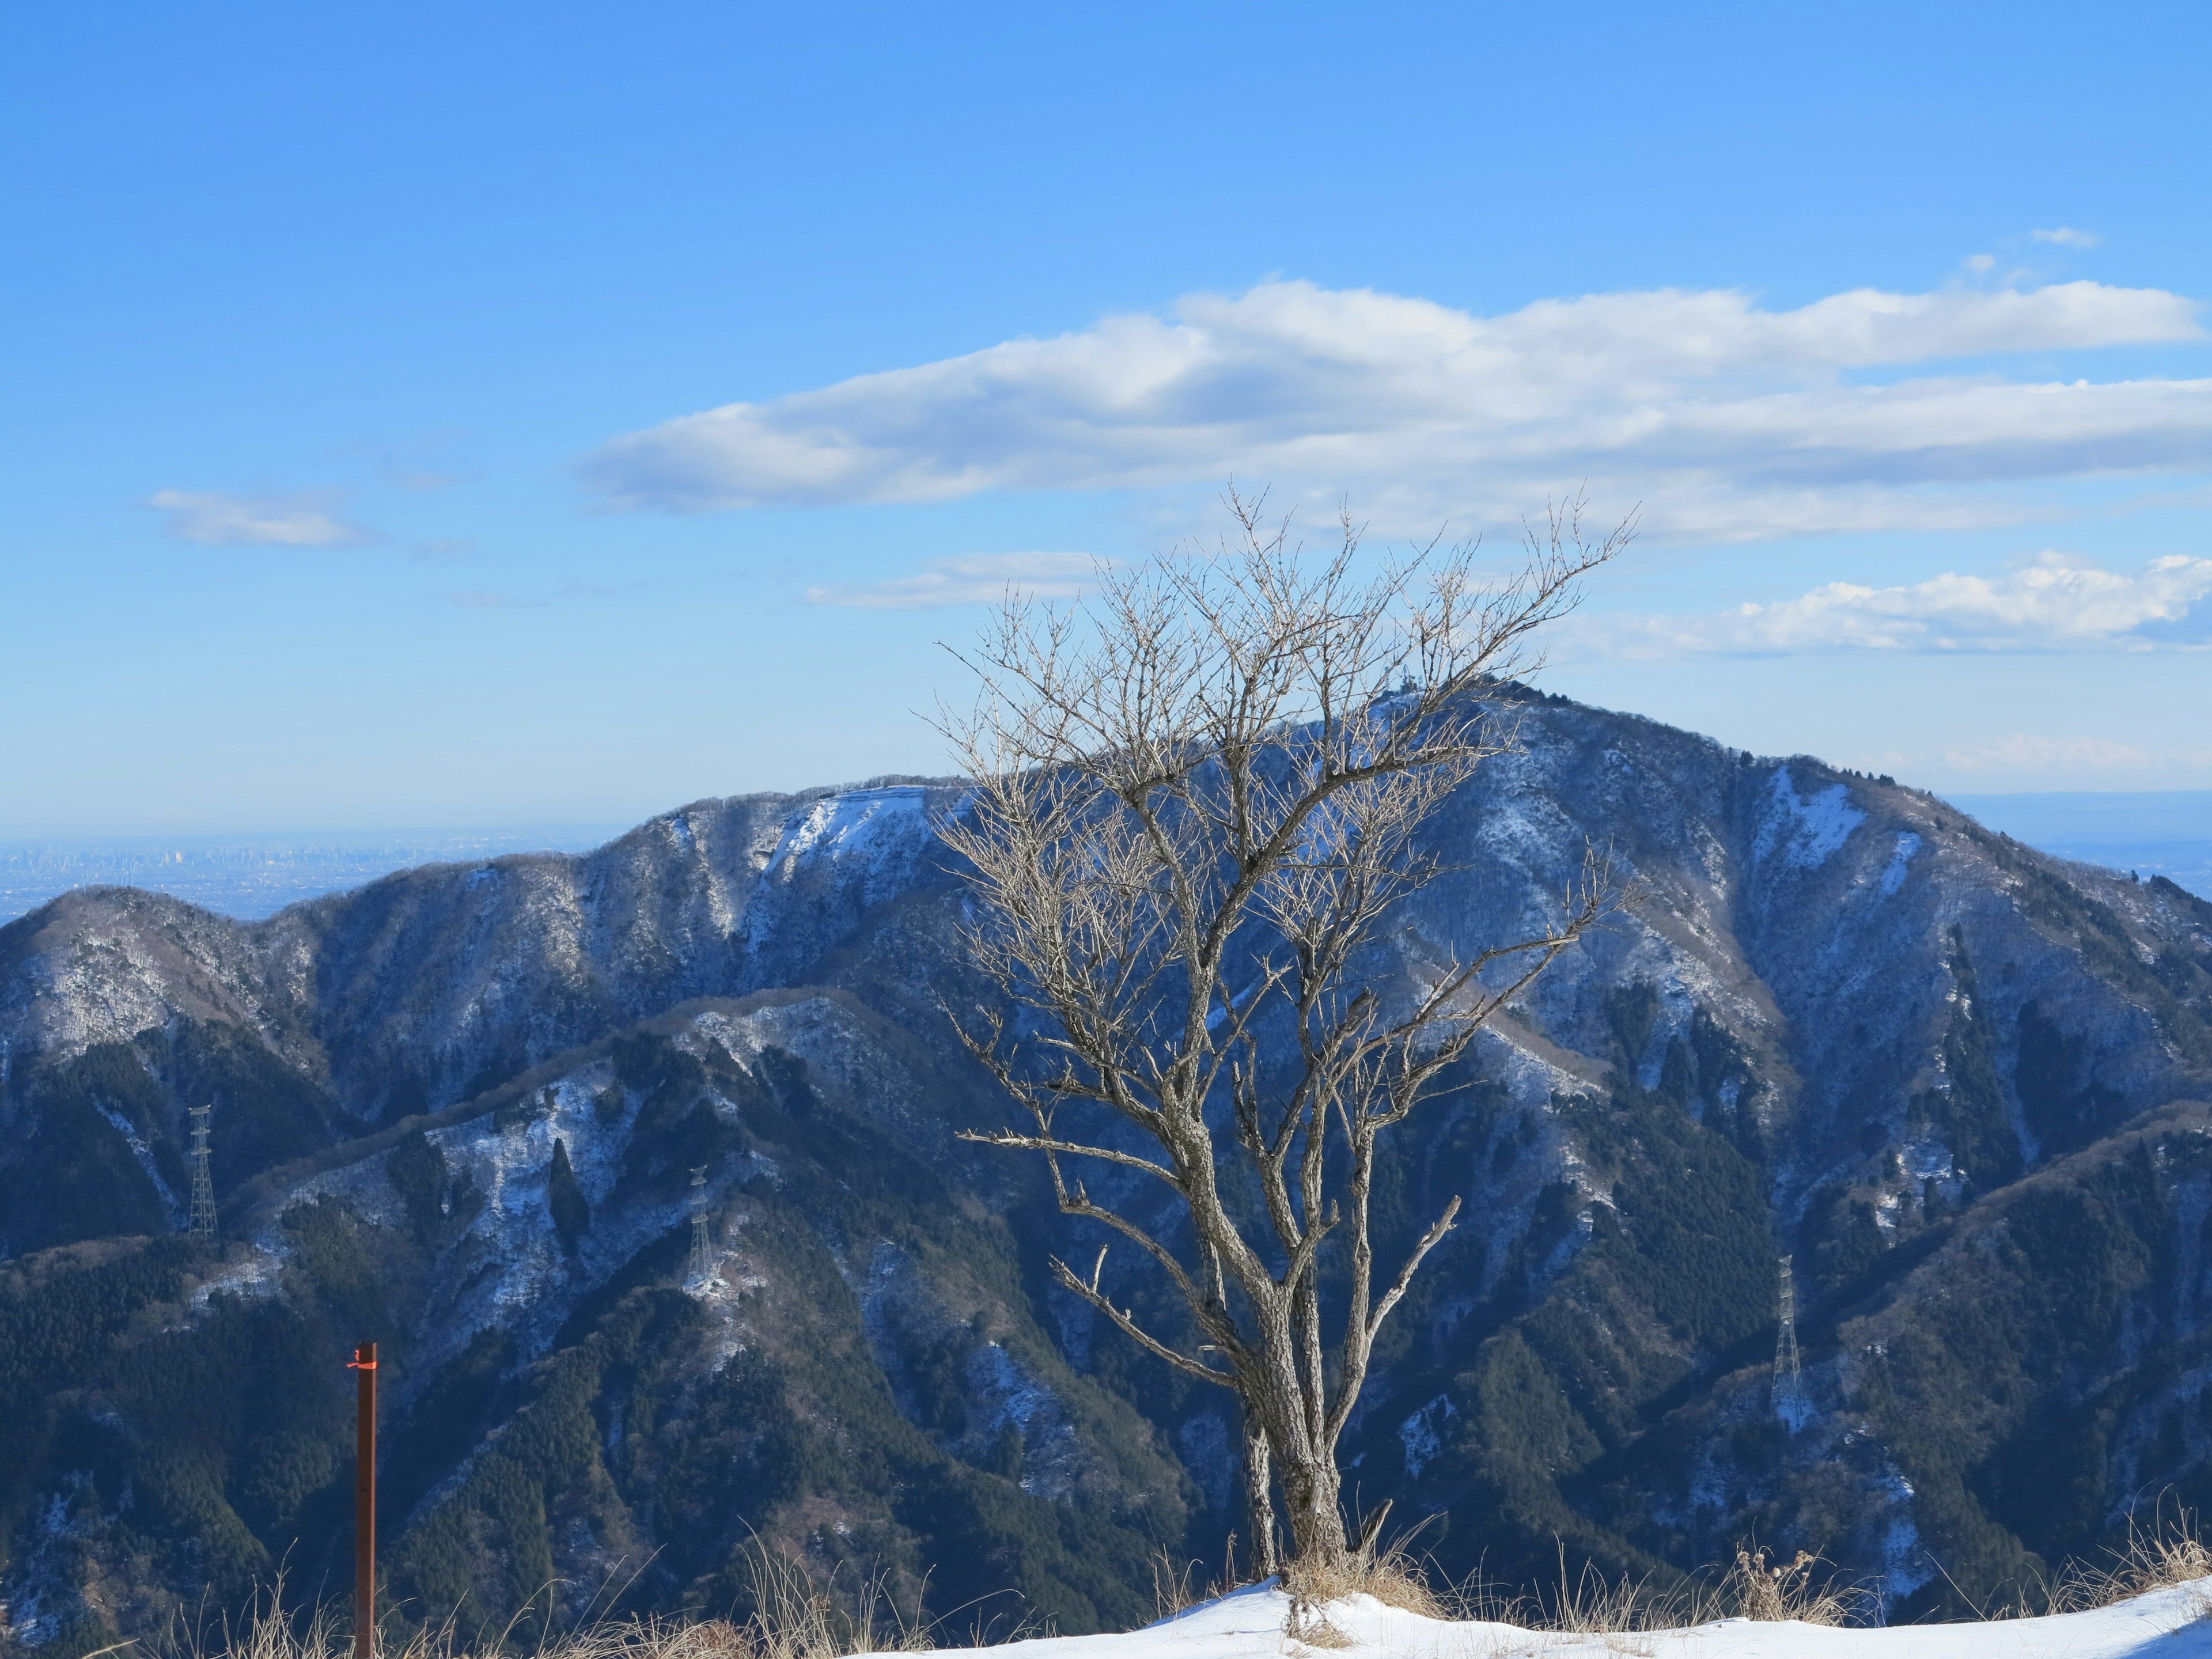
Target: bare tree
[1193, 803]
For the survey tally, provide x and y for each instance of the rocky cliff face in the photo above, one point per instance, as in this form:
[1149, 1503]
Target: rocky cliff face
[458, 1110]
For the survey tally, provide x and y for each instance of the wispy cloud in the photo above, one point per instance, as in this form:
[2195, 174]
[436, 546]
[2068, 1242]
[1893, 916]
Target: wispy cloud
[2001, 761]
[2032, 752]
[2059, 603]
[485, 598]
[1726, 419]
[221, 520]
[421, 463]
[2066, 236]
[974, 578]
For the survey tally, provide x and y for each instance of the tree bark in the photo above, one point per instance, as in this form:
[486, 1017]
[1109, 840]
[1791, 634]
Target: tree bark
[1260, 1499]
[1311, 1488]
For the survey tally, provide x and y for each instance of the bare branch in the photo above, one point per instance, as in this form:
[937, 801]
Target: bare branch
[1195, 803]
[1066, 1148]
[1430, 1240]
[1072, 1281]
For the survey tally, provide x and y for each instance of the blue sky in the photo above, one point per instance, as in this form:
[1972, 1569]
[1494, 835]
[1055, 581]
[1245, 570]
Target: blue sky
[360, 470]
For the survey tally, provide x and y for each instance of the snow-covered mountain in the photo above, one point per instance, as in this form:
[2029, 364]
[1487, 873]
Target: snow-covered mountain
[457, 1109]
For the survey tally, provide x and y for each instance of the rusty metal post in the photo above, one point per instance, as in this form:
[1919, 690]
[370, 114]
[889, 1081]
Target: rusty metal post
[363, 1366]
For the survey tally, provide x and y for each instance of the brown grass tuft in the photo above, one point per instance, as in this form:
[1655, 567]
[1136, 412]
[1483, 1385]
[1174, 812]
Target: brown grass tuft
[1789, 1590]
[2165, 1554]
[1392, 1576]
[795, 1617]
[1592, 1605]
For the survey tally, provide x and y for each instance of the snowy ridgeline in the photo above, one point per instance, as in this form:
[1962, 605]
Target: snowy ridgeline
[250, 877]
[2169, 1624]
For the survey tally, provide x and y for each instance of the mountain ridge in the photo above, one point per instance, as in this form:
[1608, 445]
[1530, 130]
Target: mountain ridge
[1842, 1020]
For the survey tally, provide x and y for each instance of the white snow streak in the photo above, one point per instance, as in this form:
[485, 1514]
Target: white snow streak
[1804, 832]
[1893, 877]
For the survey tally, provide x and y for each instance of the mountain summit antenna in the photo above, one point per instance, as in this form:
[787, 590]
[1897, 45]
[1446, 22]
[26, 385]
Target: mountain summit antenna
[701, 1268]
[203, 1222]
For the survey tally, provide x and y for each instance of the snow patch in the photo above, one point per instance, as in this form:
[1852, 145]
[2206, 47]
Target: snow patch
[1804, 832]
[45, 1593]
[836, 856]
[255, 1276]
[144, 1154]
[997, 1375]
[1423, 1433]
[1893, 877]
[863, 824]
[509, 1267]
[1905, 1564]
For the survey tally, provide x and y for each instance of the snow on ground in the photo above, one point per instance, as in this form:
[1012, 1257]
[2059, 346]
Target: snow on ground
[1893, 877]
[2164, 1624]
[144, 1154]
[1804, 830]
[881, 826]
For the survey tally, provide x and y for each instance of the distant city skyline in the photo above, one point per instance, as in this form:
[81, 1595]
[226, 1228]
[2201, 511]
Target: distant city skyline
[555, 416]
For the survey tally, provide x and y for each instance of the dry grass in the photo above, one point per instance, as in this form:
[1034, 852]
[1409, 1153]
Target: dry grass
[795, 1617]
[2167, 1553]
[1392, 1576]
[1176, 1588]
[1589, 1603]
[2164, 1554]
[798, 1616]
[1753, 1589]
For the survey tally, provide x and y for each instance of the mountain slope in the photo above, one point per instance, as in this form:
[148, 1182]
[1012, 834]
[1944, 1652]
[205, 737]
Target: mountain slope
[457, 1108]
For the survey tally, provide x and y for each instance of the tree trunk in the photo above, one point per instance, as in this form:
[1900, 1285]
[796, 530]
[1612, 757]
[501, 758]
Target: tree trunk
[1310, 1494]
[1260, 1499]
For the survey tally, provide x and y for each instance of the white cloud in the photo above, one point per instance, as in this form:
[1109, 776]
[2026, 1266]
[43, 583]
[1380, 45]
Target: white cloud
[2000, 761]
[971, 579]
[2067, 237]
[2035, 752]
[1726, 419]
[2059, 603]
[221, 520]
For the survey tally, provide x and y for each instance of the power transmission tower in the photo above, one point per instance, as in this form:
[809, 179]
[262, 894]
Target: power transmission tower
[702, 1266]
[1788, 1388]
[203, 1221]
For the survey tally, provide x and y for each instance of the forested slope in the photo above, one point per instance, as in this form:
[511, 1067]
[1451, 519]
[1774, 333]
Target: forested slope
[457, 1109]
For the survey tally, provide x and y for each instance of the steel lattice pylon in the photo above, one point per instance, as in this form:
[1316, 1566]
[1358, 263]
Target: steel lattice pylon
[1787, 1385]
[702, 1266]
[203, 1221]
